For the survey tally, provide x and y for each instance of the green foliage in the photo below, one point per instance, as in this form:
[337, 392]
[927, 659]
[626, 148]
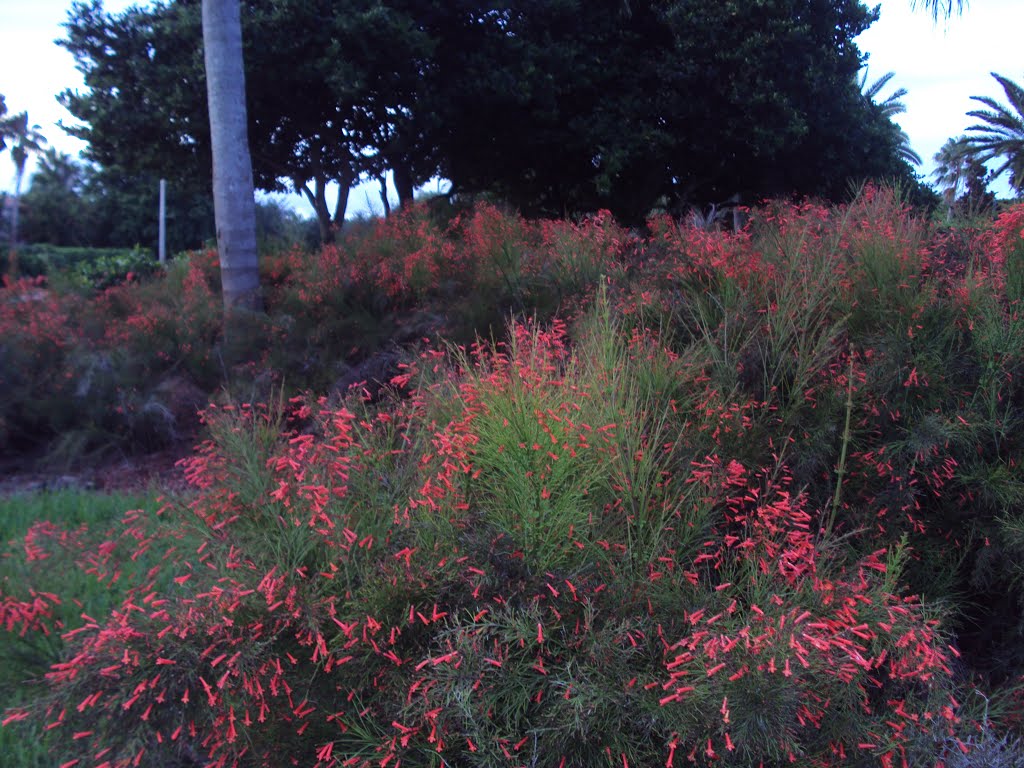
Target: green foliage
[360, 62]
[85, 268]
[48, 545]
[743, 496]
[52, 209]
[1000, 134]
[688, 122]
[614, 106]
[963, 180]
[71, 204]
[120, 208]
[279, 228]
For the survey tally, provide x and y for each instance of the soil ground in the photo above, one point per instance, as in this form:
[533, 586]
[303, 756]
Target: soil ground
[118, 474]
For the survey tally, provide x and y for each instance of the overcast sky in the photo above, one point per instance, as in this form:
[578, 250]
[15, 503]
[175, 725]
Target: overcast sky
[941, 66]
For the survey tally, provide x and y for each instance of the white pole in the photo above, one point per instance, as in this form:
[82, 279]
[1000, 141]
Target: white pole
[163, 221]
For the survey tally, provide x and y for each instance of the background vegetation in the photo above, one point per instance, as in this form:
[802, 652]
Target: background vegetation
[583, 464]
[739, 497]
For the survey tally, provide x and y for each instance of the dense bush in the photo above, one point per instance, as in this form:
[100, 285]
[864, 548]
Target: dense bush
[82, 267]
[746, 498]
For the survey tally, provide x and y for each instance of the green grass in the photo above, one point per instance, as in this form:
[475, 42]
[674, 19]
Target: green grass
[69, 508]
[85, 523]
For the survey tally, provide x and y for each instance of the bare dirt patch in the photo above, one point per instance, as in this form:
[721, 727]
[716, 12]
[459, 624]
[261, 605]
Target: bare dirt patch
[133, 474]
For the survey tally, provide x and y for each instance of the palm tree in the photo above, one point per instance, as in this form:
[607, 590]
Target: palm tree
[3, 123]
[951, 166]
[57, 170]
[53, 210]
[942, 8]
[233, 202]
[1001, 132]
[891, 106]
[25, 140]
[954, 163]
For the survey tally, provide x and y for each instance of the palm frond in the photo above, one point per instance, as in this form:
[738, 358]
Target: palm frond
[872, 91]
[1000, 134]
[1014, 92]
[892, 104]
[908, 154]
[943, 8]
[1001, 119]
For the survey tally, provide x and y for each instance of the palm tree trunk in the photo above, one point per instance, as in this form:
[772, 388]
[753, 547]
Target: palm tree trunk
[234, 207]
[14, 219]
[12, 255]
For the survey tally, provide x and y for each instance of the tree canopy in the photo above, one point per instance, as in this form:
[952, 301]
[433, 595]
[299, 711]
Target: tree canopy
[567, 106]
[70, 203]
[555, 105]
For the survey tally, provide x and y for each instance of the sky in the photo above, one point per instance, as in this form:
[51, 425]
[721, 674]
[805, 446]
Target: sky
[940, 64]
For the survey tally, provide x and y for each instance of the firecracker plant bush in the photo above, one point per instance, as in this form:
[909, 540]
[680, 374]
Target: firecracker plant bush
[688, 497]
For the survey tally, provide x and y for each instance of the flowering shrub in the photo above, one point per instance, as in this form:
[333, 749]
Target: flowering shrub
[717, 509]
[36, 382]
[382, 586]
[166, 324]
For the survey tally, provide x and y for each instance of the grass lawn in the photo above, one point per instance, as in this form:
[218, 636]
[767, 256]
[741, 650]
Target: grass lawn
[71, 543]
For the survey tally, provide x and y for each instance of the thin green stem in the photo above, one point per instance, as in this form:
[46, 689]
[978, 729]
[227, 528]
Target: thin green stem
[841, 468]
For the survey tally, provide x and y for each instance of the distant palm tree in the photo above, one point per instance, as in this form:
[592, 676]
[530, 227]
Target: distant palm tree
[25, 140]
[57, 170]
[944, 8]
[952, 162]
[1001, 132]
[53, 209]
[891, 106]
[3, 123]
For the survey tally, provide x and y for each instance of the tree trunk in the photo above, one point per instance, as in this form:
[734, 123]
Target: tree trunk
[233, 202]
[344, 187]
[327, 225]
[323, 223]
[384, 195]
[403, 183]
[317, 197]
[12, 254]
[318, 200]
[14, 220]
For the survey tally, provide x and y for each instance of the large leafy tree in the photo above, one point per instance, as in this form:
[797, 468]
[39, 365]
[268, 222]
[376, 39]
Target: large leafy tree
[564, 106]
[1000, 134]
[555, 105]
[144, 105]
[112, 207]
[121, 206]
[330, 93]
